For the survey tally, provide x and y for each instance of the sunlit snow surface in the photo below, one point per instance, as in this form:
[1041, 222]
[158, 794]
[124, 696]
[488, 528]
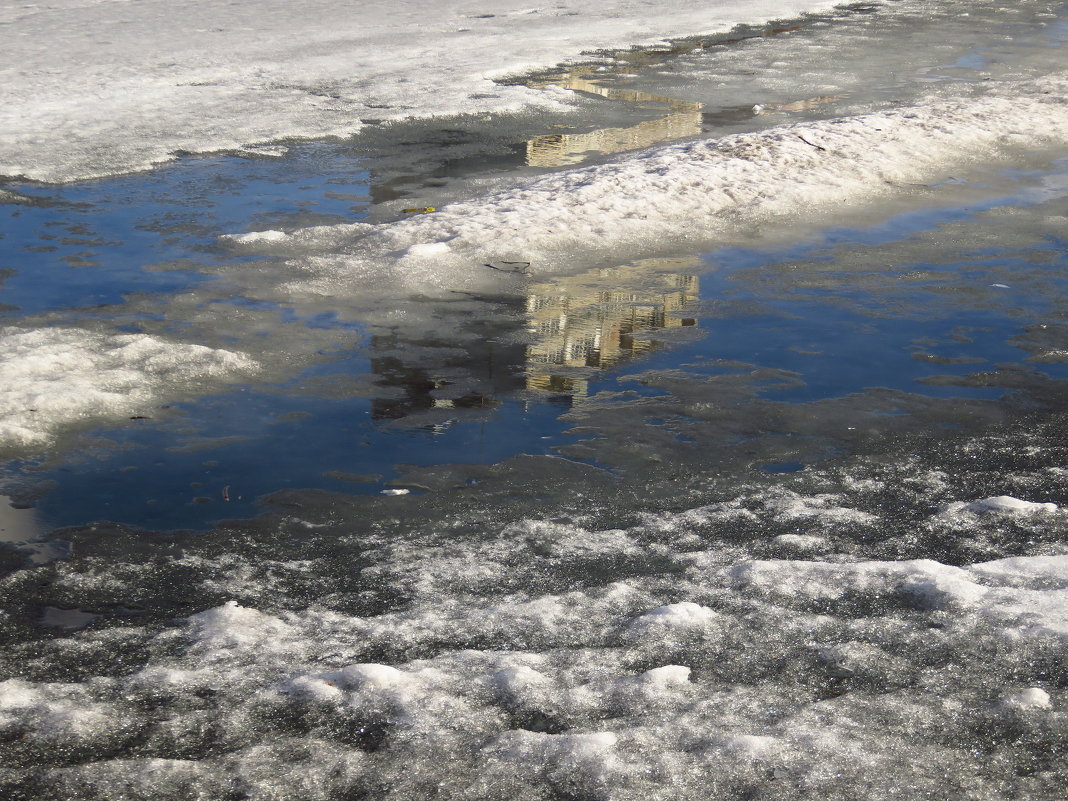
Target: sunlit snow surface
[701, 646]
[52, 375]
[95, 88]
[788, 519]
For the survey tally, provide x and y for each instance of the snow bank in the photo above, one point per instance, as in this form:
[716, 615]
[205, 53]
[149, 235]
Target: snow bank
[95, 87]
[770, 689]
[1026, 600]
[55, 378]
[543, 658]
[999, 505]
[692, 194]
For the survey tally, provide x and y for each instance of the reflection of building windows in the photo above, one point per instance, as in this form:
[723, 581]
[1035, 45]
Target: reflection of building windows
[557, 385]
[598, 319]
[549, 327]
[578, 324]
[682, 119]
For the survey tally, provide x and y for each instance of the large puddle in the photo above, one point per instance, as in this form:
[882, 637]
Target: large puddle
[902, 298]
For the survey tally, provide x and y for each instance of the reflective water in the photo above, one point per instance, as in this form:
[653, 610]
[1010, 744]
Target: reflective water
[902, 306]
[916, 305]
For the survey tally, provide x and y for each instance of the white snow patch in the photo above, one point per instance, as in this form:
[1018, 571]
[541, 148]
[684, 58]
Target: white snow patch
[1023, 596]
[1000, 505]
[231, 628]
[379, 677]
[516, 681]
[427, 251]
[259, 237]
[53, 378]
[585, 759]
[825, 580]
[1030, 698]
[96, 87]
[312, 237]
[1035, 572]
[54, 715]
[667, 676]
[662, 620]
[17, 694]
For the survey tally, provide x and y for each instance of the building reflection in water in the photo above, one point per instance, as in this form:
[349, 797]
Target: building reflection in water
[407, 167]
[559, 336]
[596, 320]
[682, 119]
[580, 324]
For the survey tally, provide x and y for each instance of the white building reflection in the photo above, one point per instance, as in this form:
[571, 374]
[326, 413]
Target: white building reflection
[682, 119]
[595, 320]
[575, 327]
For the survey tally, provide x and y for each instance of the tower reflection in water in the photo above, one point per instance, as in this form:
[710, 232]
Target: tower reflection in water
[553, 341]
[681, 119]
[596, 320]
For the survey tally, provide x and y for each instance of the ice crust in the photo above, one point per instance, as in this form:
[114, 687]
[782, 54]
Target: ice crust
[717, 674]
[695, 193]
[1032, 605]
[92, 87]
[54, 378]
[1000, 505]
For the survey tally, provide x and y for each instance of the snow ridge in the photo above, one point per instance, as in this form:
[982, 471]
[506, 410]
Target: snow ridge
[693, 193]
